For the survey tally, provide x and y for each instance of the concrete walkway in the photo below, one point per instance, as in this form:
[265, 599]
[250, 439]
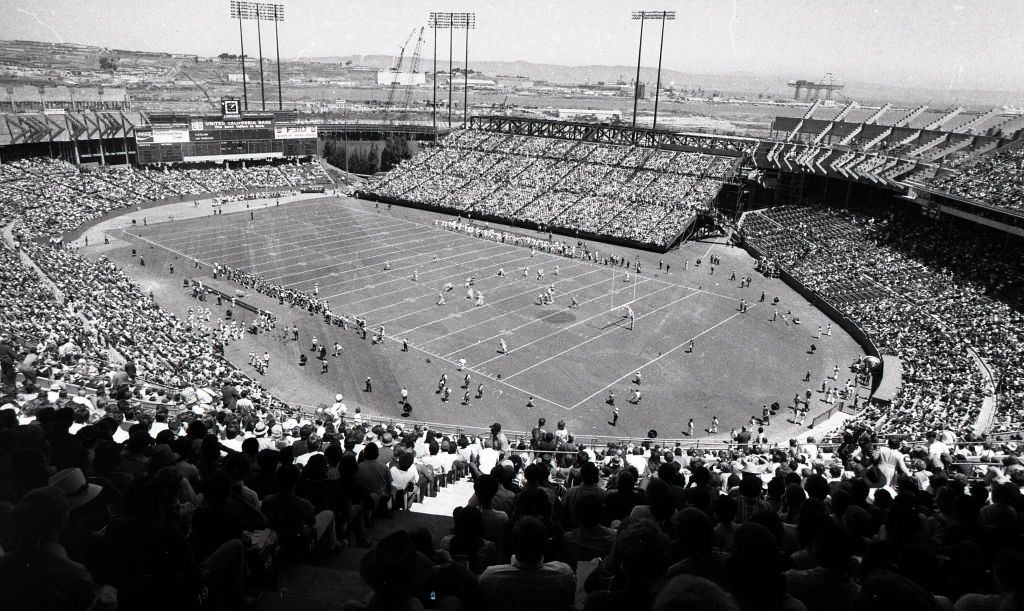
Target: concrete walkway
[8, 233]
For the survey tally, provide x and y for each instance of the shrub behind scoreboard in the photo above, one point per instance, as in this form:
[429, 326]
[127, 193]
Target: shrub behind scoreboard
[170, 139]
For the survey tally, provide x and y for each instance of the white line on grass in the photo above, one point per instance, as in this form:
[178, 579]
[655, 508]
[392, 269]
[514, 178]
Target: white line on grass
[602, 334]
[655, 360]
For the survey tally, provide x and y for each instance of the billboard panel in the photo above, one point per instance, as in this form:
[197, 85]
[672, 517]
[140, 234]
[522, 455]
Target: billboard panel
[170, 136]
[294, 132]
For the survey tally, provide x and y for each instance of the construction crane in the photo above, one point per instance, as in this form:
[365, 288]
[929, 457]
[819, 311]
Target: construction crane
[396, 71]
[415, 67]
[198, 86]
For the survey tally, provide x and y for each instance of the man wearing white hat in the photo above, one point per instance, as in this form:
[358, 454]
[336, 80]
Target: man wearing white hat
[338, 410]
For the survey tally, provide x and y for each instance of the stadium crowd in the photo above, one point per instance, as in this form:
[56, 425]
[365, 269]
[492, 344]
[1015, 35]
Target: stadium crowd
[935, 298]
[106, 506]
[92, 330]
[122, 487]
[997, 180]
[636, 193]
[34, 188]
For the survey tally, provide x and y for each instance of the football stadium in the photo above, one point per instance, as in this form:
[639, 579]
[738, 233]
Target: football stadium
[606, 346]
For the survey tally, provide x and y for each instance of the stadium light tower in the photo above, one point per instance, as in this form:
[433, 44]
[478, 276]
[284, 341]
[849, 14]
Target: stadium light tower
[643, 16]
[466, 21]
[439, 21]
[259, 11]
[240, 11]
[275, 13]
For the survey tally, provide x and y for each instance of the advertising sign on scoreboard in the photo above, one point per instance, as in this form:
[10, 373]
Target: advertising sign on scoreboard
[170, 136]
[294, 132]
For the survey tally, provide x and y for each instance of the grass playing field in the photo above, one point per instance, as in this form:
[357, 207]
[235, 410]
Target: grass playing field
[567, 359]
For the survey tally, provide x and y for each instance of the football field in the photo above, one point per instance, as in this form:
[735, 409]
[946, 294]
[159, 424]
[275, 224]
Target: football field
[390, 267]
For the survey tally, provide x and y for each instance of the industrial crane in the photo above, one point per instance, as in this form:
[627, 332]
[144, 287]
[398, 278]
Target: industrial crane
[396, 71]
[413, 70]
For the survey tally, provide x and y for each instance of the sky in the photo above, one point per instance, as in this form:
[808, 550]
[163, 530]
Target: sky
[941, 44]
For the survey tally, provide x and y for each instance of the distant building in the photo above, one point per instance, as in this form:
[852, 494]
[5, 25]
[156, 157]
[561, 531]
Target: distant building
[237, 78]
[387, 77]
[587, 114]
[514, 82]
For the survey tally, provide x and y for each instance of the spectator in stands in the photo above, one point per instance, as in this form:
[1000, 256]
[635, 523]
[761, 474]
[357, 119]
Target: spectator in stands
[395, 570]
[293, 518]
[528, 582]
[374, 477]
[485, 489]
[590, 539]
[635, 568]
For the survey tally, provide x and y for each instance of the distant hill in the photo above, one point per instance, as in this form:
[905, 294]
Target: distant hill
[735, 83]
[72, 56]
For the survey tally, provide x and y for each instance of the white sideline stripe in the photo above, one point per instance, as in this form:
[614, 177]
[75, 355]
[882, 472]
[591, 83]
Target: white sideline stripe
[537, 320]
[161, 246]
[479, 309]
[270, 241]
[432, 247]
[185, 229]
[603, 333]
[656, 359]
[479, 373]
[488, 304]
[450, 277]
[336, 248]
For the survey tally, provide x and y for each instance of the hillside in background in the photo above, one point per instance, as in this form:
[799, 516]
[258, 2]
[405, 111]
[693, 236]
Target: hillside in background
[744, 83]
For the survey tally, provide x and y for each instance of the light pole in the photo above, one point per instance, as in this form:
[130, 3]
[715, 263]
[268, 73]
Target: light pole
[242, 10]
[277, 14]
[259, 45]
[465, 21]
[259, 11]
[642, 16]
[438, 21]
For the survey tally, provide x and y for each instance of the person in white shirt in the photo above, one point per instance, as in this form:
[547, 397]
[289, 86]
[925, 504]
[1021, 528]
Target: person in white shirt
[936, 450]
[244, 404]
[488, 457]
[403, 473]
[638, 459]
[338, 410]
[891, 462]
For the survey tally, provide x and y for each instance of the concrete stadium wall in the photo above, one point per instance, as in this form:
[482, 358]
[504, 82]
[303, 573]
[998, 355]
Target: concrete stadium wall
[830, 310]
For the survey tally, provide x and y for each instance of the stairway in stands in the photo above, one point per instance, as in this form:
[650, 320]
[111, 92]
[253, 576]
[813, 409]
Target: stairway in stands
[448, 497]
[309, 587]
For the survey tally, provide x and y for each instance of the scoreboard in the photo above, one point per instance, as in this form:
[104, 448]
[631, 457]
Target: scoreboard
[225, 137]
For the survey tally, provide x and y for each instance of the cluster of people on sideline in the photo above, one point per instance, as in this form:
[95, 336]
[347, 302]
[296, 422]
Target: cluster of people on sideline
[940, 298]
[630, 192]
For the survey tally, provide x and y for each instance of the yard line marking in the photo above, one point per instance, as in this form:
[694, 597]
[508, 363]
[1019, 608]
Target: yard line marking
[475, 272]
[476, 309]
[432, 247]
[338, 248]
[545, 317]
[482, 374]
[270, 241]
[656, 359]
[602, 334]
[436, 247]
